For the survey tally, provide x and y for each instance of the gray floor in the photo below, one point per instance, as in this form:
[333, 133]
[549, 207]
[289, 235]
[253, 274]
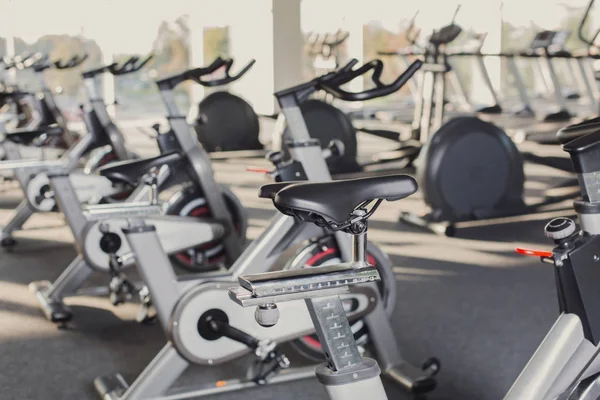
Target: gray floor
[469, 300]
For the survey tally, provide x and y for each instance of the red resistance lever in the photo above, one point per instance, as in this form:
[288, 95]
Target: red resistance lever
[259, 170]
[536, 253]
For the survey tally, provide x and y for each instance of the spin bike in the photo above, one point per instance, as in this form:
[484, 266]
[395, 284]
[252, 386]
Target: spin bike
[205, 328]
[29, 139]
[566, 365]
[346, 374]
[203, 225]
[102, 136]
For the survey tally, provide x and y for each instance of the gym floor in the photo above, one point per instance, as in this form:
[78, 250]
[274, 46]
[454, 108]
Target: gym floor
[471, 301]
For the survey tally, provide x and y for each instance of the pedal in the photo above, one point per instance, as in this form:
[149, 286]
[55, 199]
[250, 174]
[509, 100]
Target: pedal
[55, 311]
[111, 387]
[144, 315]
[121, 289]
[270, 361]
[417, 381]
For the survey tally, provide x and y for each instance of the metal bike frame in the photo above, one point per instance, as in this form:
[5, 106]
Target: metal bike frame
[200, 162]
[98, 105]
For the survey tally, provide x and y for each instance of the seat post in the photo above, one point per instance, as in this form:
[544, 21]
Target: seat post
[359, 239]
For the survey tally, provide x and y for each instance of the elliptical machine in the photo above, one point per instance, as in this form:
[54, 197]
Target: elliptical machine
[468, 169]
[566, 365]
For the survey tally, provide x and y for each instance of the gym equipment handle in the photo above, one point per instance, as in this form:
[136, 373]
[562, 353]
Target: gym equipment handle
[228, 77]
[41, 62]
[582, 23]
[192, 74]
[132, 65]
[346, 74]
[34, 60]
[197, 73]
[19, 59]
[73, 62]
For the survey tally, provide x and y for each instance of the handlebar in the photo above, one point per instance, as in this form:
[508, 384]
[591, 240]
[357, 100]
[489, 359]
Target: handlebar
[196, 74]
[582, 24]
[228, 77]
[16, 60]
[73, 62]
[41, 62]
[34, 61]
[331, 82]
[133, 64]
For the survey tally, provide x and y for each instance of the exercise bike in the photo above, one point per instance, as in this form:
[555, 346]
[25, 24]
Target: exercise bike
[35, 113]
[345, 373]
[566, 364]
[202, 226]
[201, 321]
[103, 143]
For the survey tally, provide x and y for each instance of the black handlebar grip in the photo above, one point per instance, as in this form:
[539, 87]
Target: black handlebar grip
[379, 91]
[130, 66]
[582, 23]
[228, 77]
[74, 62]
[96, 71]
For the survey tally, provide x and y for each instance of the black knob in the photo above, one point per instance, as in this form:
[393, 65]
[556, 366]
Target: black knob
[276, 157]
[559, 228]
[336, 146]
[110, 243]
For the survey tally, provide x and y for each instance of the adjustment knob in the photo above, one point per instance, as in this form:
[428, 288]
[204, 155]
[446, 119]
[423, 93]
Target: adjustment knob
[267, 315]
[559, 228]
[275, 157]
[336, 146]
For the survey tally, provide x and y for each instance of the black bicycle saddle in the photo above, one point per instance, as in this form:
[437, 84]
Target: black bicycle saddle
[336, 200]
[131, 171]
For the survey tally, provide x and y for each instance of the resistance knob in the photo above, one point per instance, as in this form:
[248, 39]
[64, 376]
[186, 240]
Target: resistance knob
[267, 315]
[559, 228]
